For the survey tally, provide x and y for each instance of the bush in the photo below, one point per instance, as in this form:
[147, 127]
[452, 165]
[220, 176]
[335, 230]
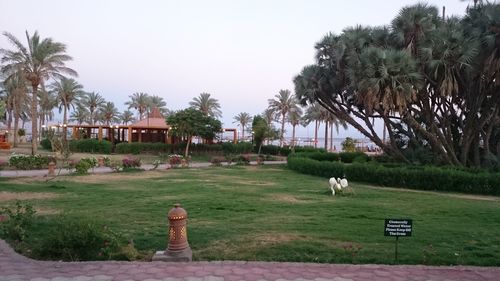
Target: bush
[274, 150]
[18, 220]
[349, 145]
[241, 159]
[76, 239]
[131, 163]
[138, 148]
[83, 166]
[46, 144]
[415, 177]
[91, 145]
[236, 148]
[30, 162]
[345, 157]
[217, 161]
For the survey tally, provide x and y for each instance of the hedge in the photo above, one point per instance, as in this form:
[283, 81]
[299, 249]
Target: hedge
[285, 151]
[414, 177]
[345, 157]
[91, 145]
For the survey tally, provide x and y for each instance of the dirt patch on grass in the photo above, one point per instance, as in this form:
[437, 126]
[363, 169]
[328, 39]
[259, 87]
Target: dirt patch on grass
[286, 198]
[46, 211]
[106, 178]
[255, 183]
[11, 196]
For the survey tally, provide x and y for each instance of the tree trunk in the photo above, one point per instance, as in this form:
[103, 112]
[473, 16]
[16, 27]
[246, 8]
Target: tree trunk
[293, 136]
[242, 132]
[326, 135]
[16, 128]
[9, 119]
[34, 113]
[65, 122]
[282, 130]
[316, 134]
[186, 152]
[331, 136]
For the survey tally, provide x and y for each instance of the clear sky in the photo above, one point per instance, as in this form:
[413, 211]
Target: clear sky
[241, 51]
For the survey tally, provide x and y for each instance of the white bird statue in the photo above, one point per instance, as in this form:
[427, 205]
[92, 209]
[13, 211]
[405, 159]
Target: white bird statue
[338, 186]
[333, 183]
[343, 183]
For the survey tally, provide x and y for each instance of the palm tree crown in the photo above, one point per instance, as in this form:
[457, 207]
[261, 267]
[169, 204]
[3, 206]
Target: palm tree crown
[209, 106]
[93, 101]
[243, 119]
[41, 60]
[282, 104]
[140, 102]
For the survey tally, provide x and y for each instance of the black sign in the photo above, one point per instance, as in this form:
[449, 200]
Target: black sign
[397, 227]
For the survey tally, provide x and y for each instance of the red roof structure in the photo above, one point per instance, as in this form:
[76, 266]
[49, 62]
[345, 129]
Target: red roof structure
[154, 120]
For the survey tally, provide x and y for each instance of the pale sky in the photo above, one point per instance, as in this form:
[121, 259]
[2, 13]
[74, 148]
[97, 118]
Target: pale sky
[242, 51]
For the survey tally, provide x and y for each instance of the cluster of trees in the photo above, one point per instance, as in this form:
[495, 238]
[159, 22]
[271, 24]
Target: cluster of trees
[432, 81]
[285, 108]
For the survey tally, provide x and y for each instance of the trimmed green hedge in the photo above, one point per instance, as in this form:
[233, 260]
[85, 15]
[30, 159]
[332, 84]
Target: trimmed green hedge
[345, 157]
[414, 177]
[285, 151]
[91, 145]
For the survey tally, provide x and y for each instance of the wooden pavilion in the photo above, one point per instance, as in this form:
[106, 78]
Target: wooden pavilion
[153, 128]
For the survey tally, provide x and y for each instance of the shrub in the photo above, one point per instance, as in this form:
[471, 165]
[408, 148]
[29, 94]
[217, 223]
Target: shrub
[76, 239]
[274, 150]
[236, 148]
[137, 148]
[349, 145]
[91, 145]
[174, 159]
[46, 144]
[131, 163]
[242, 159]
[29, 162]
[21, 132]
[18, 220]
[83, 166]
[415, 177]
[217, 160]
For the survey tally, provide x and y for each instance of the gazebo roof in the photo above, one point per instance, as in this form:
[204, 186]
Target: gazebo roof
[154, 120]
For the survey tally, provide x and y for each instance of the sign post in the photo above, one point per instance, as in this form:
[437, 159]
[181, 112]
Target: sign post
[397, 228]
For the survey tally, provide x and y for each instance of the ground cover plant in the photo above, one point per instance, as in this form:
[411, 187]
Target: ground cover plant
[265, 213]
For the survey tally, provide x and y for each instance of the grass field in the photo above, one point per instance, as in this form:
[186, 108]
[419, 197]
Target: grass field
[272, 214]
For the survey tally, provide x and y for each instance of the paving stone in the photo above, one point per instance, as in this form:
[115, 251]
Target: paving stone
[213, 278]
[39, 279]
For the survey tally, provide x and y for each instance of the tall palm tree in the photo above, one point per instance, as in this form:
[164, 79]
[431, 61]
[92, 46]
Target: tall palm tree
[80, 115]
[283, 103]
[48, 101]
[126, 117]
[109, 113]
[41, 60]
[17, 96]
[68, 93]
[93, 101]
[313, 114]
[294, 118]
[209, 106]
[158, 102]
[243, 119]
[140, 102]
[334, 122]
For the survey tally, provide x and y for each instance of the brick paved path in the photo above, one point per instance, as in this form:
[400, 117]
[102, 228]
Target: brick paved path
[14, 267]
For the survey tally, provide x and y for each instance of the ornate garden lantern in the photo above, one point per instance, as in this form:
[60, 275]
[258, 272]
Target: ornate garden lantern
[178, 247]
[177, 231]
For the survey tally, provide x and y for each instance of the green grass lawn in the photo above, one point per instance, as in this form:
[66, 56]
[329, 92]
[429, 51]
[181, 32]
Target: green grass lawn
[273, 214]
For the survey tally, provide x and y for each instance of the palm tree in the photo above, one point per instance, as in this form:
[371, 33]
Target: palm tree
[294, 118]
[243, 119]
[313, 113]
[48, 101]
[80, 115]
[140, 102]
[17, 96]
[68, 93]
[209, 106]
[158, 102]
[126, 117]
[42, 59]
[93, 101]
[331, 119]
[283, 103]
[109, 113]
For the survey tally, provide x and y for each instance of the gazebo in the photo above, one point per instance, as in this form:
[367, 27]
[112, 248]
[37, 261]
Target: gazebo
[153, 128]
